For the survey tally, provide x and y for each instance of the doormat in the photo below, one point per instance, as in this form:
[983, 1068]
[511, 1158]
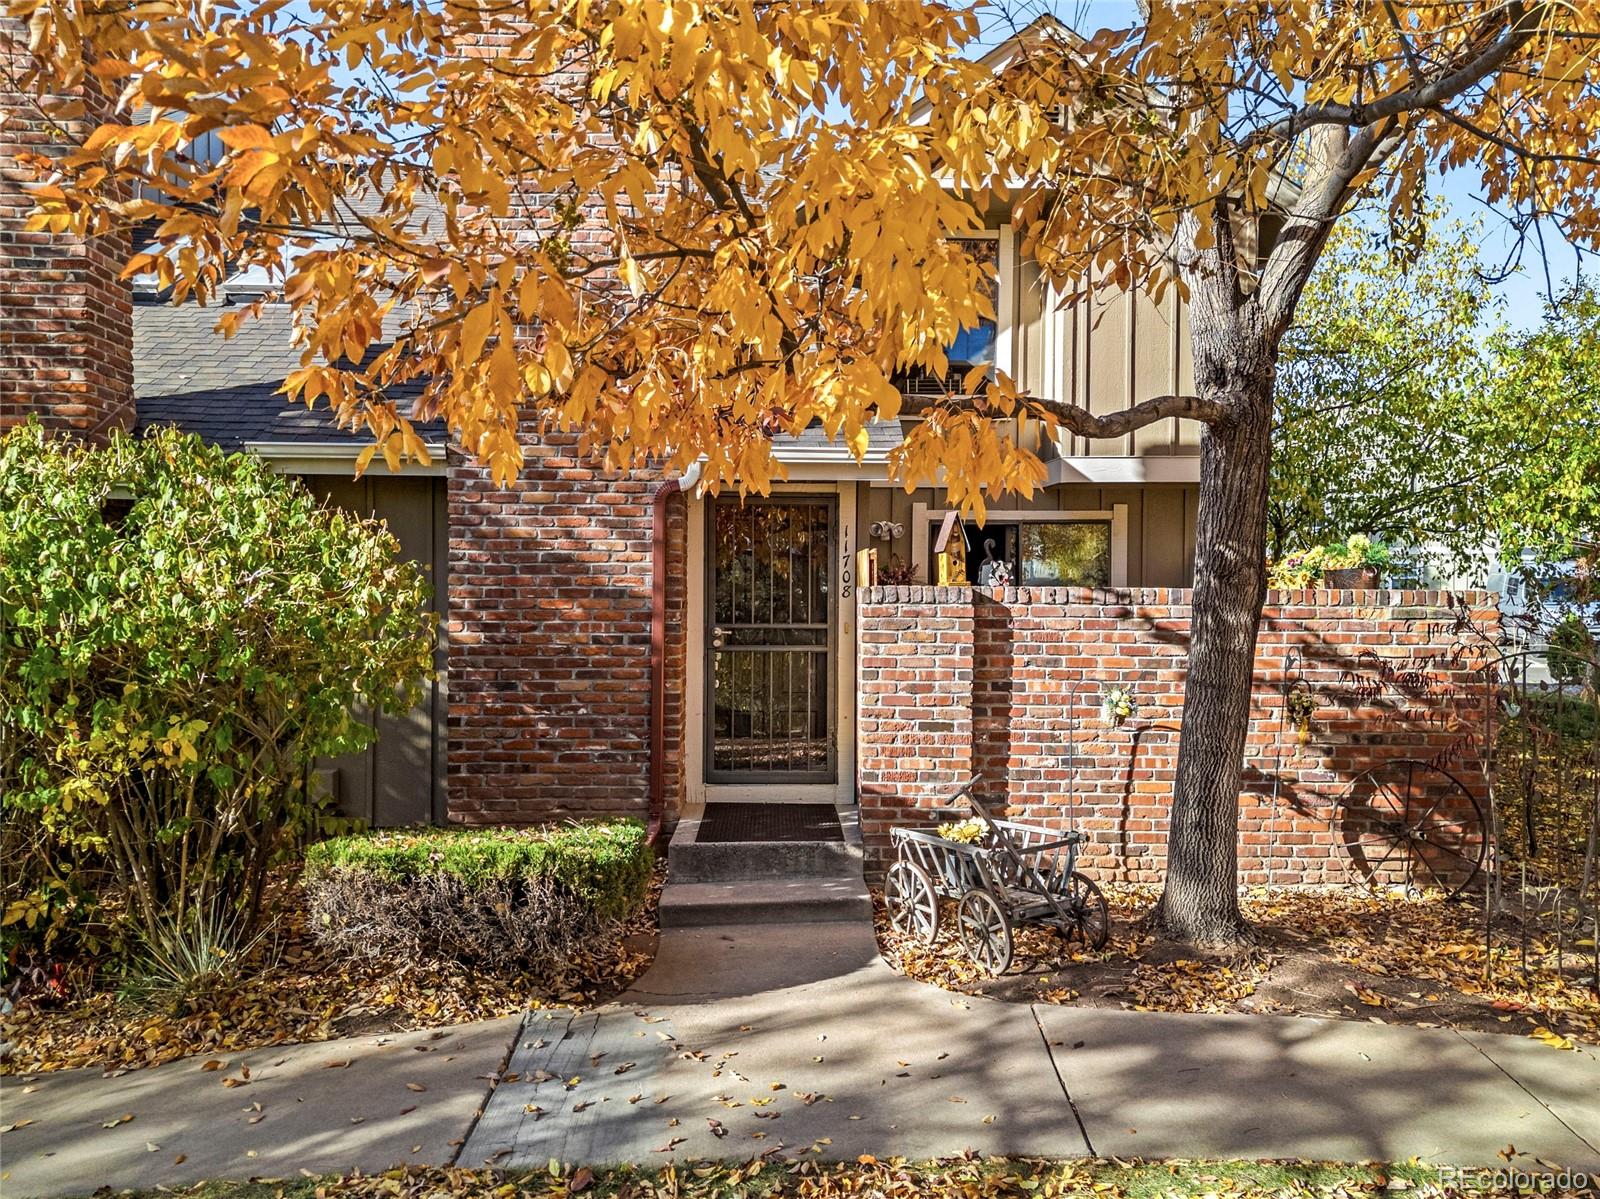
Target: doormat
[724, 822]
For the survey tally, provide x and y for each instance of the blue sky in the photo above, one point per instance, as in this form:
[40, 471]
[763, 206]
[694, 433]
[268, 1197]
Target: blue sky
[1523, 293]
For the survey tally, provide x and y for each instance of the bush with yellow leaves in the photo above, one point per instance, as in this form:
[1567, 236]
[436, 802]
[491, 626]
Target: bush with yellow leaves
[186, 634]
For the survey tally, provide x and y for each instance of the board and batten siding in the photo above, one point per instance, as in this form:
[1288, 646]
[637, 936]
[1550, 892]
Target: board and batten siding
[400, 778]
[1106, 352]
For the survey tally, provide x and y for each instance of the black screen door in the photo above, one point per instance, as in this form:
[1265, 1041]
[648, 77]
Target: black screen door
[770, 641]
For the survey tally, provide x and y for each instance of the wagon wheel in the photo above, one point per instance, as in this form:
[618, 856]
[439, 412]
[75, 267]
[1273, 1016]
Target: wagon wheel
[985, 931]
[1410, 824]
[1088, 917]
[912, 902]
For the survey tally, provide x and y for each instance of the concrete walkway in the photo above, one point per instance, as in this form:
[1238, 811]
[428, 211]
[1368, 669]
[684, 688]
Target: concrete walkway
[797, 1039]
[366, 1102]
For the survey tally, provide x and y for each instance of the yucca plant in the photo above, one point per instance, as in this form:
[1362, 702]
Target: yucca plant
[185, 962]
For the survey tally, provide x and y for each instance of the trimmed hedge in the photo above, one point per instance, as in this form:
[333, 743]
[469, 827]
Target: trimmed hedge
[606, 864]
[536, 898]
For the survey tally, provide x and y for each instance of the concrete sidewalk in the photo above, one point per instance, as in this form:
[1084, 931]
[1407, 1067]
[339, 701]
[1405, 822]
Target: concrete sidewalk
[808, 1043]
[366, 1102]
[750, 1039]
[797, 1039]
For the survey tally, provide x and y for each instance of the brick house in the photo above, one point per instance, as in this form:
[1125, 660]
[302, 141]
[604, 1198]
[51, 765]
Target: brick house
[613, 643]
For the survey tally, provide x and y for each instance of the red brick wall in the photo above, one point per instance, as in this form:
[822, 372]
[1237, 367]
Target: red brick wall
[66, 319]
[550, 603]
[1002, 683]
[550, 640]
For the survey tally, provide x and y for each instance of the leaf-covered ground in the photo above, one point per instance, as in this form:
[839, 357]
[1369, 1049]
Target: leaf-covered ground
[300, 993]
[1318, 953]
[869, 1178]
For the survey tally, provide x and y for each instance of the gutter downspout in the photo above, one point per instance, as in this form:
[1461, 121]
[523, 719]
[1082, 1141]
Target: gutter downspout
[658, 646]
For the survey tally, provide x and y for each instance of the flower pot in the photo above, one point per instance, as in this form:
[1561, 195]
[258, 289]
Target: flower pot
[1356, 578]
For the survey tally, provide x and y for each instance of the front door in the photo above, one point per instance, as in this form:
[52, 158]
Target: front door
[770, 643]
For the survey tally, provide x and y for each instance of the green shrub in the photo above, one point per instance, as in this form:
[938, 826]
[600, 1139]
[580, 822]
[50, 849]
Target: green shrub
[1565, 718]
[604, 863]
[185, 633]
[524, 897]
[1573, 655]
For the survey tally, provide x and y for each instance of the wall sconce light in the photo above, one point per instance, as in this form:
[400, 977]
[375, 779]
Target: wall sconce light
[887, 530]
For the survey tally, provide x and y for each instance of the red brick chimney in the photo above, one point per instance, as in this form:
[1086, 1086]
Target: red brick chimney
[66, 319]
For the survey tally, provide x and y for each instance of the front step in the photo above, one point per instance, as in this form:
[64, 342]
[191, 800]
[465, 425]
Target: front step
[728, 861]
[828, 897]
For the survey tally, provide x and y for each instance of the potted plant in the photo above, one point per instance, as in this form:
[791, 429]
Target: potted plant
[1358, 563]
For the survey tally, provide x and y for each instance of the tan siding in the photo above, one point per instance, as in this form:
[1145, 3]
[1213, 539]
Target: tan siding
[1166, 550]
[400, 778]
[1033, 333]
[1109, 352]
[1108, 368]
[1151, 337]
[1191, 507]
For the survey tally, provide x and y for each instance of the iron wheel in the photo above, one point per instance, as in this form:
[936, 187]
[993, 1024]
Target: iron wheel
[1412, 825]
[1089, 919]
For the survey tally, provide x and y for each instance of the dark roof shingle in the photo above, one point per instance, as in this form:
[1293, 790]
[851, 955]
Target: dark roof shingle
[226, 389]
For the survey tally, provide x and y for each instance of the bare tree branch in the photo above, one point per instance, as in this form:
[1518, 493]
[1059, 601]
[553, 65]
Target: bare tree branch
[1119, 424]
[1523, 22]
[1322, 199]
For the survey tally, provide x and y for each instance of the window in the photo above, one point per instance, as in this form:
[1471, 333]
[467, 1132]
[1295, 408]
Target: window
[1075, 554]
[975, 347]
[971, 347]
[1039, 553]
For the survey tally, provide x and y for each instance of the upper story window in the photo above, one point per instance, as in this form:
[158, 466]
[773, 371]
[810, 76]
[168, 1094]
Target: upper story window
[972, 347]
[976, 347]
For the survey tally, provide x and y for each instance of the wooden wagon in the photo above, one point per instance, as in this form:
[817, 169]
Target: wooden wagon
[1013, 874]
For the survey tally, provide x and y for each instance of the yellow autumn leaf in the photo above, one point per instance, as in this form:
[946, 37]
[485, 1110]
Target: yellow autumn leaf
[244, 137]
[475, 329]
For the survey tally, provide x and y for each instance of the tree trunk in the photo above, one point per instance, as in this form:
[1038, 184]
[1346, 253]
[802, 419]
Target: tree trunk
[1200, 902]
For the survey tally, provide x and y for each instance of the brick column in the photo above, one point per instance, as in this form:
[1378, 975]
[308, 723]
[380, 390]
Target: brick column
[914, 703]
[66, 316]
[550, 640]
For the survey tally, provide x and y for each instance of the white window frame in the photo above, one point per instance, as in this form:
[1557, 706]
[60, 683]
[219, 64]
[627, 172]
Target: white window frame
[1005, 305]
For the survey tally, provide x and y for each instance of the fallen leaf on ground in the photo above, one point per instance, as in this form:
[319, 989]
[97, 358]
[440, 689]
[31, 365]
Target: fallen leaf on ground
[304, 994]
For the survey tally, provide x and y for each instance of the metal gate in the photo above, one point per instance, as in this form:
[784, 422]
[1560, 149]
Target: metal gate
[771, 640]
